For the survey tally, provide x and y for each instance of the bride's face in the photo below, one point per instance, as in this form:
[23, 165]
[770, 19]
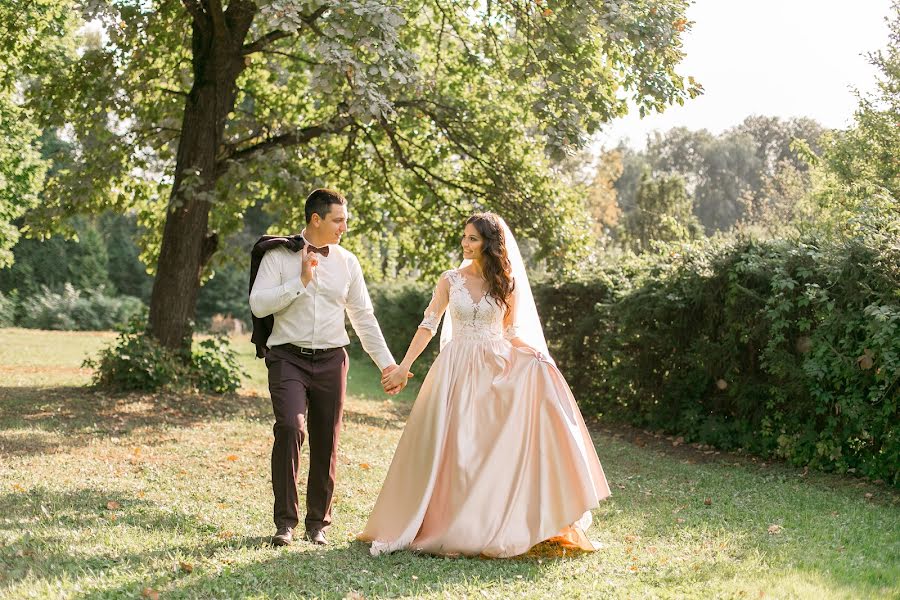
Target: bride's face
[471, 243]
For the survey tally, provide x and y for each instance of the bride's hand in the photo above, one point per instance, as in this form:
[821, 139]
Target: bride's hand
[532, 351]
[394, 379]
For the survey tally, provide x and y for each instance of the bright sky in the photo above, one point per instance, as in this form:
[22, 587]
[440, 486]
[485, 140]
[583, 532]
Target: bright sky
[784, 58]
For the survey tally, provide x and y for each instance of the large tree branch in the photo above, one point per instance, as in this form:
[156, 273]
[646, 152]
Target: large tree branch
[297, 137]
[386, 172]
[418, 170]
[277, 34]
[264, 41]
[301, 59]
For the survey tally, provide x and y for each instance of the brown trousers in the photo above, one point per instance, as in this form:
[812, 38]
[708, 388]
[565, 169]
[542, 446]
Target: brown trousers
[307, 396]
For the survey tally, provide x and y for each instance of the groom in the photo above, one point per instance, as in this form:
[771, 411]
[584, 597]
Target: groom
[300, 288]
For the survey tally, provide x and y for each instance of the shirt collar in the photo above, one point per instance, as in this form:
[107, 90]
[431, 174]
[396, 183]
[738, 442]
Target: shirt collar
[303, 235]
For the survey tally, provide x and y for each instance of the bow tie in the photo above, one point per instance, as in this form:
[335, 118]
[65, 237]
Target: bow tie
[323, 250]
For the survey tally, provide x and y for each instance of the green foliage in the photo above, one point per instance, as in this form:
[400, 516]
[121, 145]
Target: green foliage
[421, 113]
[32, 35]
[8, 306]
[82, 261]
[72, 309]
[662, 213]
[737, 176]
[21, 172]
[215, 367]
[399, 309]
[859, 165]
[127, 274]
[136, 362]
[788, 348]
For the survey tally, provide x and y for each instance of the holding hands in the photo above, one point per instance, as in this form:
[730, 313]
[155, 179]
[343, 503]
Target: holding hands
[394, 378]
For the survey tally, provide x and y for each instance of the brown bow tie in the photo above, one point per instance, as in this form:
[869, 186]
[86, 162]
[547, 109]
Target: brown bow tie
[323, 250]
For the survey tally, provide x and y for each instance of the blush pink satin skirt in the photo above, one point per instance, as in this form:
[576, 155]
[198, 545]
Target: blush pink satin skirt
[495, 458]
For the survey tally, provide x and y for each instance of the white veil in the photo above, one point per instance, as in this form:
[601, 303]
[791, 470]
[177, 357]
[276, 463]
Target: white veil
[526, 320]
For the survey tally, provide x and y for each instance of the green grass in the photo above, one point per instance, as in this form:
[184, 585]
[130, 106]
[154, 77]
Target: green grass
[108, 495]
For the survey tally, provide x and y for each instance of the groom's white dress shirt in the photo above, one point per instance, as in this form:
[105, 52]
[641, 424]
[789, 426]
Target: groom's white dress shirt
[313, 316]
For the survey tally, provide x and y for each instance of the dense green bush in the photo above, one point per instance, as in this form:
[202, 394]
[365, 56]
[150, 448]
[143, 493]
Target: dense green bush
[72, 309]
[136, 362]
[8, 305]
[787, 348]
[400, 308]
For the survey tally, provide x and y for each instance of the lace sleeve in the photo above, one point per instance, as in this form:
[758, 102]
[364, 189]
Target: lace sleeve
[435, 310]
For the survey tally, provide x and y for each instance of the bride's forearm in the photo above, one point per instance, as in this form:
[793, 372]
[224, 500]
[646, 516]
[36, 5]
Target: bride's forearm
[416, 346]
[518, 343]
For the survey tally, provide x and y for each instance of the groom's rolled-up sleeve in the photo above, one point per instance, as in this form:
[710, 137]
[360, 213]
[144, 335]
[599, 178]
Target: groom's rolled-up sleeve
[362, 318]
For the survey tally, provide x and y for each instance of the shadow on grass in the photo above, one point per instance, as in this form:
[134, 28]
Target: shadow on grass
[30, 416]
[50, 520]
[46, 530]
[305, 571]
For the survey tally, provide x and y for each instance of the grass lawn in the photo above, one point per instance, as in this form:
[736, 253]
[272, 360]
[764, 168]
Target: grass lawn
[168, 495]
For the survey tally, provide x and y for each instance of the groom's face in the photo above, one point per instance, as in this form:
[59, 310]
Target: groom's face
[333, 226]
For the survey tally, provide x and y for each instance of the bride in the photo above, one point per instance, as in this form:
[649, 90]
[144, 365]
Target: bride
[495, 456]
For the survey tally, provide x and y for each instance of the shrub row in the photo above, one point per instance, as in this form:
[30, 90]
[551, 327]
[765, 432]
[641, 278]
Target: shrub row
[782, 348]
[68, 309]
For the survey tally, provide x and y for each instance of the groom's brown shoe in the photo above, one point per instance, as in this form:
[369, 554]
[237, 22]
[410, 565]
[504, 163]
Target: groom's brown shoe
[316, 536]
[283, 537]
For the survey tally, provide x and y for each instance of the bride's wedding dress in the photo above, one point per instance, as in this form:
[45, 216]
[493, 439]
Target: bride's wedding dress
[495, 456]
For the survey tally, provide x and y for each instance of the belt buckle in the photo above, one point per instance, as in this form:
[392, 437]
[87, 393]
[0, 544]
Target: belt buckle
[307, 351]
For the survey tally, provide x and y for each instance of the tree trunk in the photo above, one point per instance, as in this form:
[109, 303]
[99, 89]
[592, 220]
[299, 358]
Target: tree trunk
[187, 244]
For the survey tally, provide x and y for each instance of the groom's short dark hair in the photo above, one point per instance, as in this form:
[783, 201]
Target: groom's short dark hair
[319, 202]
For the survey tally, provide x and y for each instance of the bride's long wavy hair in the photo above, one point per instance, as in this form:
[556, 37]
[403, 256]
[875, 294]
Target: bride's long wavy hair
[495, 264]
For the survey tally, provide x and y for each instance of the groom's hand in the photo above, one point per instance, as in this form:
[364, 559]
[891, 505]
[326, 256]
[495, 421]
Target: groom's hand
[310, 261]
[393, 379]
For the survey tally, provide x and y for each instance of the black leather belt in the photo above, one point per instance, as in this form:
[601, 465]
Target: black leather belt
[301, 351]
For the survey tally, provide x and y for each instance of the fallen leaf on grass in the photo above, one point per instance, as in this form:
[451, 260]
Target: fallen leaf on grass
[186, 567]
[354, 595]
[364, 466]
[774, 529]
[630, 538]
[226, 535]
[679, 520]
[231, 457]
[708, 502]
[18, 487]
[113, 505]
[150, 593]
[868, 495]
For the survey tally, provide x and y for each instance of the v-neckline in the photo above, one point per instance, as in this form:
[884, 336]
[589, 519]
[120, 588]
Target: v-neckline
[468, 293]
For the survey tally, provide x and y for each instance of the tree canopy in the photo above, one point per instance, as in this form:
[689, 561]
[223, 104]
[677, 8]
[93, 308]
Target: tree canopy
[189, 113]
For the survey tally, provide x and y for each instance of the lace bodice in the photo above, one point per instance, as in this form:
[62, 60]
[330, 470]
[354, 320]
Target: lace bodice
[479, 318]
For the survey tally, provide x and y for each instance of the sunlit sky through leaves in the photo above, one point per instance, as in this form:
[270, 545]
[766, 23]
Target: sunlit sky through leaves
[785, 58]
